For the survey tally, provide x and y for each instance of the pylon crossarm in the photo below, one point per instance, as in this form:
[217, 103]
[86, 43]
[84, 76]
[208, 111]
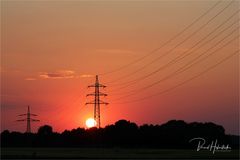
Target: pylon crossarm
[89, 103]
[35, 120]
[101, 85]
[91, 94]
[21, 120]
[102, 94]
[97, 85]
[102, 102]
[90, 86]
[33, 114]
[22, 114]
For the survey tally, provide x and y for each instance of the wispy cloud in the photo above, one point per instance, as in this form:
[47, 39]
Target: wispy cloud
[58, 74]
[30, 79]
[86, 76]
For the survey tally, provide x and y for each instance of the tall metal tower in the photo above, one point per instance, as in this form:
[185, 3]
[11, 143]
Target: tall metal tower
[97, 101]
[28, 119]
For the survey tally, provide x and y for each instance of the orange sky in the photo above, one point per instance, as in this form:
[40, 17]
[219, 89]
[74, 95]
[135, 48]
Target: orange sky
[51, 49]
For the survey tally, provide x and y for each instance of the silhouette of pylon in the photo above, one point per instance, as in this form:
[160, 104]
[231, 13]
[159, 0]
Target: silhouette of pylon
[28, 119]
[97, 101]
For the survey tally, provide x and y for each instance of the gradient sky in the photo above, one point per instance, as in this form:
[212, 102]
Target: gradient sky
[50, 51]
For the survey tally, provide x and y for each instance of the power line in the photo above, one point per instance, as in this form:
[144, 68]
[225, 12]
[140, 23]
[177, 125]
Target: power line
[164, 44]
[183, 83]
[178, 58]
[185, 67]
[187, 38]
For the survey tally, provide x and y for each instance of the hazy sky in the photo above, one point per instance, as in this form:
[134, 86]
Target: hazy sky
[51, 49]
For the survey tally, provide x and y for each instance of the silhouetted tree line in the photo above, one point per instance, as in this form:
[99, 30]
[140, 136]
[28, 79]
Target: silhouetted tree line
[173, 134]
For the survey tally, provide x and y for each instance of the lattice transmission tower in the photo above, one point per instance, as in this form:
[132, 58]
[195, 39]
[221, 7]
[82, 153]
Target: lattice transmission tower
[28, 119]
[97, 101]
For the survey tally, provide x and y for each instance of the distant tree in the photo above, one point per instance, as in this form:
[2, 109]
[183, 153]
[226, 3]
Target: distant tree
[77, 131]
[125, 132]
[4, 137]
[209, 129]
[45, 130]
[5, 132]
[126, 125]
[173, 134]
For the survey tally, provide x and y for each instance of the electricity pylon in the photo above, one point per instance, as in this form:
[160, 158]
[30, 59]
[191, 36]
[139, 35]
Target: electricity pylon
[97, 101]
[28, 119]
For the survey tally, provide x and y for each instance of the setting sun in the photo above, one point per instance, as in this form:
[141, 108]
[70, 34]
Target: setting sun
[90, 122]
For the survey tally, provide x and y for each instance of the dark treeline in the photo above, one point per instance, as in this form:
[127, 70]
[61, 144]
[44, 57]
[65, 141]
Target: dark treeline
[173, 134]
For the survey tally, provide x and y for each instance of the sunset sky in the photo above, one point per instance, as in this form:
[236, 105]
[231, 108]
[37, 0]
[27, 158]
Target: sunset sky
[52, 50]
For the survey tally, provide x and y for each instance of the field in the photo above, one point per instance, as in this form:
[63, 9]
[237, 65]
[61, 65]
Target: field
[111, 153]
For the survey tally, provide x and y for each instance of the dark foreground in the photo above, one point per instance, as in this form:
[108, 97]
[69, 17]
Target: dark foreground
[112, 153]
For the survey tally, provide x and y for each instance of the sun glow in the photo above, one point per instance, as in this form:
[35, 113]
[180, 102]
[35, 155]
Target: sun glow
[90, 122]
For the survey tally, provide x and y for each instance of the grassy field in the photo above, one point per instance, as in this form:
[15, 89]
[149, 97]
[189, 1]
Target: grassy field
[112, 153]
